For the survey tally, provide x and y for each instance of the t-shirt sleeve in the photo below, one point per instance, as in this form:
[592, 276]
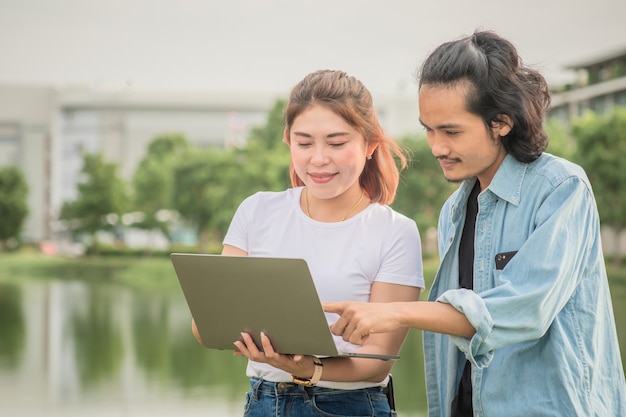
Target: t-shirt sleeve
[402, 257]
[237, 234]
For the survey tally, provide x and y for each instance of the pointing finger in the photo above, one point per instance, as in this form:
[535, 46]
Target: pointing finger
[333, 307]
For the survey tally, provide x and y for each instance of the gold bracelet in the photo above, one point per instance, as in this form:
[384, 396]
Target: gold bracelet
[317, 374]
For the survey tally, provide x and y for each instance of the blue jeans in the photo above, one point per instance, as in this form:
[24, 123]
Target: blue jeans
[288, 399]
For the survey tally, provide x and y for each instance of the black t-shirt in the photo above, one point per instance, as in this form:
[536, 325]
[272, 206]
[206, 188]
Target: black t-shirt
[462, 403]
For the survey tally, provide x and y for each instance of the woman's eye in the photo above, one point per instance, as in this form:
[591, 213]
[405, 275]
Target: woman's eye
[337, 145]
[303, 144]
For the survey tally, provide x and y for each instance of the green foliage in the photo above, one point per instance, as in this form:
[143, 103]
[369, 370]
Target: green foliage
[101, 192]
[602, 152]
[153, 180]
[209, 185]
[13, 203]
[562, 143]
[201, 188]
[270, 135]
[167, 146]
[423, 188]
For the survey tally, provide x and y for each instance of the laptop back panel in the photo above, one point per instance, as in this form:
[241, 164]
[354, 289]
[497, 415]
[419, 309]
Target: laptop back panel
[228, 295]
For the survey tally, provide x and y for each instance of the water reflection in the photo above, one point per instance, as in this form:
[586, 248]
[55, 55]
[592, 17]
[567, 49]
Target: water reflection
[70, 347]
[11, 326]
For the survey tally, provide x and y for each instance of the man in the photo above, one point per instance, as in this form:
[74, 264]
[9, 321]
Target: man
[519, 319]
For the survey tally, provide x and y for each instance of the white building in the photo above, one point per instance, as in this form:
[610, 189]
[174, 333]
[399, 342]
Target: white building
[600, 86]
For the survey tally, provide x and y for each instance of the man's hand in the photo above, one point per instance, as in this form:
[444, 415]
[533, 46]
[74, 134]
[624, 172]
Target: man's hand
[358, 320]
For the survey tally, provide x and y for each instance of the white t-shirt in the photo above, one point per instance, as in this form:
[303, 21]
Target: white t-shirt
[345, 258]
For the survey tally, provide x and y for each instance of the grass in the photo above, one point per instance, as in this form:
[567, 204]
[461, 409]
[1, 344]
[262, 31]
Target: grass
[141, 272]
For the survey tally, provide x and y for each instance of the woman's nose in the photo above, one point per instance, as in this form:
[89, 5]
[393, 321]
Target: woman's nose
[319, 156]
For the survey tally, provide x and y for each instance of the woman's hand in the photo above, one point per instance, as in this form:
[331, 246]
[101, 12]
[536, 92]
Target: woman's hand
[194, 330]
[300, 365]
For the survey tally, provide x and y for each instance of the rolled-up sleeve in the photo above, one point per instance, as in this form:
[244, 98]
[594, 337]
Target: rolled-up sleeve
[475, 309]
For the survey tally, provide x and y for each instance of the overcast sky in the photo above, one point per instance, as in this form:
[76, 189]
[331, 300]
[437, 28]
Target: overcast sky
[269, 45]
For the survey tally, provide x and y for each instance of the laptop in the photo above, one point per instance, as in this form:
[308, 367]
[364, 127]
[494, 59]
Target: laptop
[228, 295]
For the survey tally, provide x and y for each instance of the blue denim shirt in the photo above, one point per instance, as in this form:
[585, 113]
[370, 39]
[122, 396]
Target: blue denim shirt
[545, 342]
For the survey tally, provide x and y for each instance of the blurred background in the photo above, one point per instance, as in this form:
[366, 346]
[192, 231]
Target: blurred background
[131, 129]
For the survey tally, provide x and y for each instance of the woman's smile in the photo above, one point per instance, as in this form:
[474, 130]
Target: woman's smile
[321, 177]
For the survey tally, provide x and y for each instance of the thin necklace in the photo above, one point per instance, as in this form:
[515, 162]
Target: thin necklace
[308, 213]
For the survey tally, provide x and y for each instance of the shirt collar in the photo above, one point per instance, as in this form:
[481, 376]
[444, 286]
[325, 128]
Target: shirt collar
[507, 183]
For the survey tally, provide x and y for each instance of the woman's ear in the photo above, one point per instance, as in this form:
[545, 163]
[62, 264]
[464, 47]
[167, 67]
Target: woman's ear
[503, 127]
[286, 137]
[371, 147]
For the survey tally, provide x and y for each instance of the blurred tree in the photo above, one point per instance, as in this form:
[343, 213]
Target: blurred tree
[270, 135]
[13, 204]
[562, 143]
[209, 185]
[265, 159]
[202, 190]
[423, 189]
[263, 165]
[153, 179]
[601, 151]
[102, 197]
[264, 162]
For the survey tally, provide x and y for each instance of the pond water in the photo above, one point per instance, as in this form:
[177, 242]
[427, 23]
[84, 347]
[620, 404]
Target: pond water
[75, 348]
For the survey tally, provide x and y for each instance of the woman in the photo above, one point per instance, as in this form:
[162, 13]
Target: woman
[336, 217]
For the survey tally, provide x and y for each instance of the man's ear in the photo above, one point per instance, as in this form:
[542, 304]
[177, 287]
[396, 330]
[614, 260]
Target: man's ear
[503, 127]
